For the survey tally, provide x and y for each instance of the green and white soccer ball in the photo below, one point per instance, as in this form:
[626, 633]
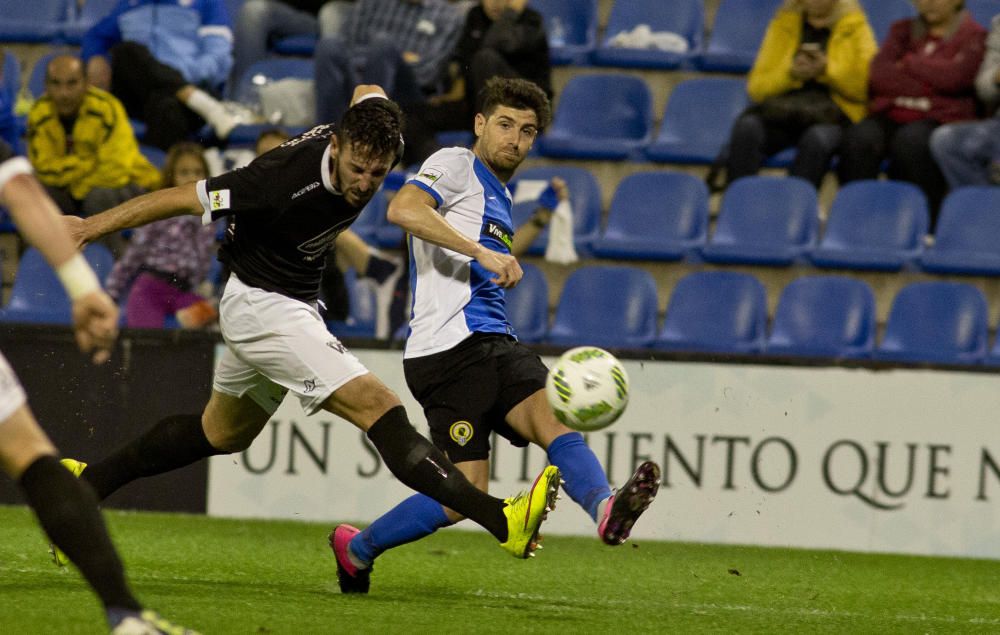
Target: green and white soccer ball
[587, 388]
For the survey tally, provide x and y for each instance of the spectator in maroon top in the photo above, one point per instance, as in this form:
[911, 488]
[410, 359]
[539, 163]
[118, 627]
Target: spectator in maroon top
[923, 76]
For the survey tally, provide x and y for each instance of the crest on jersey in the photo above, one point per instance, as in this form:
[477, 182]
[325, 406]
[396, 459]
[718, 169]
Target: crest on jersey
[461, 432]
[218, 199]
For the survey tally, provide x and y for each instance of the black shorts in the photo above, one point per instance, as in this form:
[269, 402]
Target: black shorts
[466, 392]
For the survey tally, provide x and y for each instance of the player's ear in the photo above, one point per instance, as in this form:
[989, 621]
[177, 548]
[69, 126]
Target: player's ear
[334, 144]
[480, 124]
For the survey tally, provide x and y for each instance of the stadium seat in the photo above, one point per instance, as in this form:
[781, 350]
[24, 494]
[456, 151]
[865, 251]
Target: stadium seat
[611, 307]
[528, 305]
[605, 116]
[983, 10]
[36, 82]
[697, 120]
[824, 316]
[655, 216]
[361, 321]
[10, 81]
[571, 26]
[259, 74]
[936, 322]
[876, 225]
[37, 295]
[736, 35]
[685, 18]
[993, 356]
[33, 22]
[155, 155]
[715, 312]
[967, 240]
[882, 13]
[297, 45]
[82, 17]
[765, 221]
[584, 196]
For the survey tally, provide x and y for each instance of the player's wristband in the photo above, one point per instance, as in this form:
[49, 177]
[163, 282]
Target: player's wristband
[77, 277]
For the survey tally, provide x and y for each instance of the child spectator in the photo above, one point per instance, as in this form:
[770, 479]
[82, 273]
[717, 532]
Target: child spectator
[167, 261]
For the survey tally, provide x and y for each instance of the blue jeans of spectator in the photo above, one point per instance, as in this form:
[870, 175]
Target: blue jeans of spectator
[339, 69]
[259, 24]
[908, 148]
[965, 151]
[753, 140]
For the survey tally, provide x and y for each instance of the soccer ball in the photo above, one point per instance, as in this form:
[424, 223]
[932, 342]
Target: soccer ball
[587, 388]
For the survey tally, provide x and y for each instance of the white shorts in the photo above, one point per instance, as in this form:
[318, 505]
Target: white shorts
[275, 344]
[12, 394]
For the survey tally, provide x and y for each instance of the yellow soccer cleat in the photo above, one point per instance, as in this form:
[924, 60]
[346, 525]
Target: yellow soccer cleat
[76, 468]
[146, 623]
[526, 511]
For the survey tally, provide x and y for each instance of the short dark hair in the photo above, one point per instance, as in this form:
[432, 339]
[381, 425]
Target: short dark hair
[373, 126]
[517, 93]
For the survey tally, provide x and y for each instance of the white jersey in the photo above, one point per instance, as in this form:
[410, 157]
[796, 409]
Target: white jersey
[453, 295]
[12, 394]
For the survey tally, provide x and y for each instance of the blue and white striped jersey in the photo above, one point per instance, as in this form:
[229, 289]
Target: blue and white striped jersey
[453, 296]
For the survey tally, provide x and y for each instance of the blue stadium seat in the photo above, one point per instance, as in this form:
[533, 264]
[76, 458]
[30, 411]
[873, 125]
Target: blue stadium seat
[372, 218]
[715, 312]
[33, 22]
[37, 295]
[683, 17]
[260, 73]
[11, 79]
[824, 316]
[528, 305]
[605, 116]
[361, 321]
[938, 322]
[967, 240]
[297, 45]
[882, 13]
[655, 216]
[697, 120]
[36, 82]
[736, 34]
[12, 127]
[983, 10]
[876, 225]
[155, 155]
[571, 26]
[611, 307]
[764, 220]
[584, 196]
[82, 18]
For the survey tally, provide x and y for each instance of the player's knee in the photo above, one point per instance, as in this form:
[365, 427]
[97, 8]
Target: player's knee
[225, 438]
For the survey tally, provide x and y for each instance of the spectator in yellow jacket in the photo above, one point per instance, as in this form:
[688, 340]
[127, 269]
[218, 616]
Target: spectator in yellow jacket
[808, 83]
[82, 145]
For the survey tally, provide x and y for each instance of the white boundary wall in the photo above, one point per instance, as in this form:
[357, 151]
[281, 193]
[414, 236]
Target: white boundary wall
[903, 461]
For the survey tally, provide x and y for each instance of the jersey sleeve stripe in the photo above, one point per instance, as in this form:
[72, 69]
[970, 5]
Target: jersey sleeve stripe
[202, 188]
[428, 189]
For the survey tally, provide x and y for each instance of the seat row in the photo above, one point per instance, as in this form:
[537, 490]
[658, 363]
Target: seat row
[735, 34]
[726, 312]
[763, 220]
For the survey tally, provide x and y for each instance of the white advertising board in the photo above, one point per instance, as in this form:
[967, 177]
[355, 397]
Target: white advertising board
[904, 461]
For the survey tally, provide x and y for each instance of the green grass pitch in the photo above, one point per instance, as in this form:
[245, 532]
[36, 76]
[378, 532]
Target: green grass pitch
[233, 576]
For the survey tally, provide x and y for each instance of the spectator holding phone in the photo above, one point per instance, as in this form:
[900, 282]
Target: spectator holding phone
[808, 84]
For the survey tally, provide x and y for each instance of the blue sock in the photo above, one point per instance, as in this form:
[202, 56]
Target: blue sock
[414, 518]
[586, 483]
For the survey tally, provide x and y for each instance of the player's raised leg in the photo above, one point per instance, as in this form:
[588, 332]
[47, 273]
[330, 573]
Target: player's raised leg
[417, 463]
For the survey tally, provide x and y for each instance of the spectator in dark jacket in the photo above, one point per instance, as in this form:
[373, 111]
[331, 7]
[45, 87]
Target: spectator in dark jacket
[923, 76]
[500, 37]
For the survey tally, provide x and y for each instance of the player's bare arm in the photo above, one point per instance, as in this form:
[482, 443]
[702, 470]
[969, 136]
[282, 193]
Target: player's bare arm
[145, 209]
[95, 316]
[415, 211]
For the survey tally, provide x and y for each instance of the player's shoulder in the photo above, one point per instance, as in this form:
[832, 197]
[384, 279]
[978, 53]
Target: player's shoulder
[455, 163]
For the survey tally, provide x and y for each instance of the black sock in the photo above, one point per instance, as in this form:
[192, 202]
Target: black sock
[170, 444]
[379, 269]
[67, 510]
[418, 464]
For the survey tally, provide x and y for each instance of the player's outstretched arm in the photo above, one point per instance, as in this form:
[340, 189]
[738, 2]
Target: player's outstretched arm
[95, 316]
[414, 210]
[142, 210]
